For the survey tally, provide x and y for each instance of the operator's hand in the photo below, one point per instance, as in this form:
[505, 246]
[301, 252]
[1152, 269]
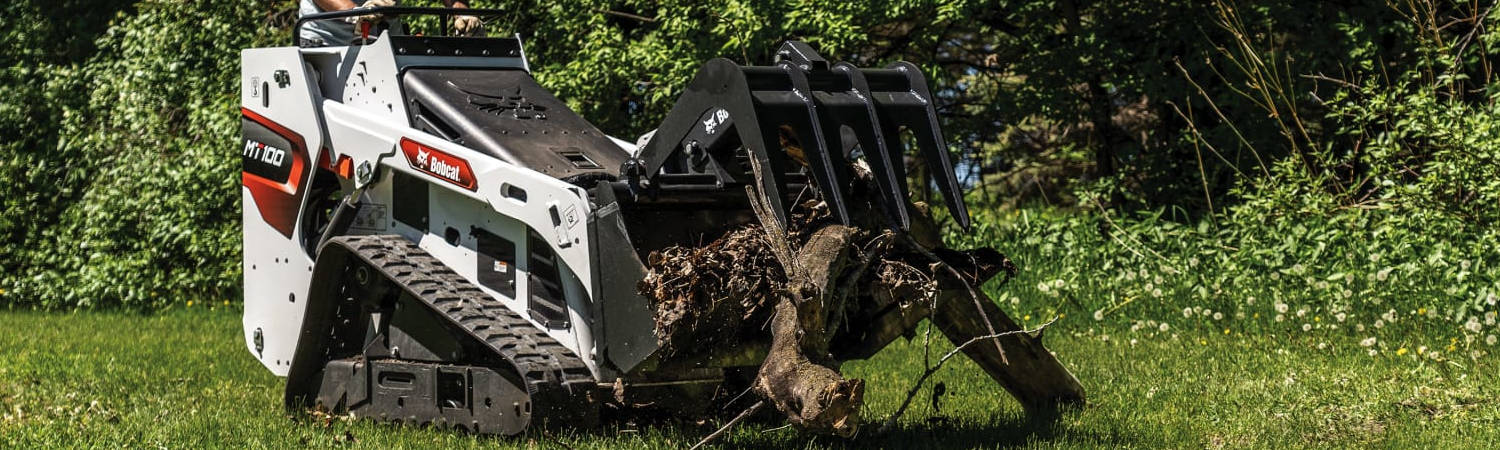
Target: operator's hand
[372, 18]
[468, 26]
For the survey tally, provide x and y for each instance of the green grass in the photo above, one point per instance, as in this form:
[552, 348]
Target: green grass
[183, 379]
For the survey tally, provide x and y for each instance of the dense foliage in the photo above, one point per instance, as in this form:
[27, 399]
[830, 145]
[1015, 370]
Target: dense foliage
[1280, 150]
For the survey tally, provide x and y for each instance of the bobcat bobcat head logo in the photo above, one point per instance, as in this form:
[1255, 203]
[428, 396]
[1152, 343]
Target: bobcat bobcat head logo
[513, 105]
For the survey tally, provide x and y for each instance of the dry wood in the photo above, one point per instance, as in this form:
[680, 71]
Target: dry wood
[832, 292]
[1031, 373]
[912, 393]
[732, 422]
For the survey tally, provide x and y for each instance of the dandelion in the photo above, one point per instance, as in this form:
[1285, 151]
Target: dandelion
[1187, 313]
[1207, 312]
[1218, 316]
[1301, 312]
[1104, 338]
[1280, 317]
[1384, 273]
[1434, 355]
[1490, 300]
[1489, 340]
[1281, 307]
[1042, 286]
[1250, 301]
[1348, 279]
[1156, 292]
[1164, 327]
[1057, 284]
[1401, 351]
[1421, 349]
[190, 303]
[1374, 352]
[1473, 324]
[1226, 331]
[1132, 342]
[1099, 315]
[1322, 285]
[1379, 323]
[1339, 317]
[1367, 342]
[1322, 345]
[1306, 327]
[1489, 318]
[1359, 327]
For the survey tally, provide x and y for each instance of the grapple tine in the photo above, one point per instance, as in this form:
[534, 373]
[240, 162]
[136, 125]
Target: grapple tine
[925, 129]
[828, 109]
[813, 132]
[888, 174]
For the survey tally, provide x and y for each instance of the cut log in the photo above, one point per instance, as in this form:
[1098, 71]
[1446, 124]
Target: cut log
[1031, 373]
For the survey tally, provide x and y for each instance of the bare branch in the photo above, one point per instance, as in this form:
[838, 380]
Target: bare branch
[732, 422]
[891, 421]
[636, 17]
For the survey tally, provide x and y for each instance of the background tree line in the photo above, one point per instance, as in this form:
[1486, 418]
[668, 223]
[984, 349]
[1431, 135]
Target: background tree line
[120, 186]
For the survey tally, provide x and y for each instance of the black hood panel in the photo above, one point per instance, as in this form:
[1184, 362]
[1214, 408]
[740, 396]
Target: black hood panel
[505, 113]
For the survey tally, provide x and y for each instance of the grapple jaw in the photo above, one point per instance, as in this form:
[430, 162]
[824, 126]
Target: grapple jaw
[802, 115]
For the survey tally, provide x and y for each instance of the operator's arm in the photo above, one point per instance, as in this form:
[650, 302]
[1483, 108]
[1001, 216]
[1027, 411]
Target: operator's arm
[465, 25]
[334, 5]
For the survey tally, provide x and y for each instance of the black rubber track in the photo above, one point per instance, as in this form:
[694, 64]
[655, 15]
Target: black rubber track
[559, 383]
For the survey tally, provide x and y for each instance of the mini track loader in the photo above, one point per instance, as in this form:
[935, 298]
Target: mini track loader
[431, 237]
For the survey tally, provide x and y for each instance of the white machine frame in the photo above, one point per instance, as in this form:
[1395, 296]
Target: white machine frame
[346, 105]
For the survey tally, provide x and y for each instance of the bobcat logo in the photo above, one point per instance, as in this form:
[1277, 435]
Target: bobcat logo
[514, 105]
[438, 164]
[713, 122]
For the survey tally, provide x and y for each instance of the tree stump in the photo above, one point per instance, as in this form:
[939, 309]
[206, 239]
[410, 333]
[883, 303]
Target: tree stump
[831, 293]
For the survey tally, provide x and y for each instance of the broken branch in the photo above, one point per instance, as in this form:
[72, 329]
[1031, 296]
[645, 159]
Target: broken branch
[724, 429]
[891, 421]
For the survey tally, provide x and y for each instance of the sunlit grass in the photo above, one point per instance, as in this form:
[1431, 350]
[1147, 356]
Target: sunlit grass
[183, 379]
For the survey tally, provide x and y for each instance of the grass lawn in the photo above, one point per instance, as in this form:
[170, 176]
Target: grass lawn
[183, 379]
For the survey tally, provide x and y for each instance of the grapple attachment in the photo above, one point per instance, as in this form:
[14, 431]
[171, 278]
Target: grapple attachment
[802, 115]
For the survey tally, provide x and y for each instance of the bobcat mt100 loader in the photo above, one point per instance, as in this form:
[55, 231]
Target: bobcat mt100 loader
[431, 237]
